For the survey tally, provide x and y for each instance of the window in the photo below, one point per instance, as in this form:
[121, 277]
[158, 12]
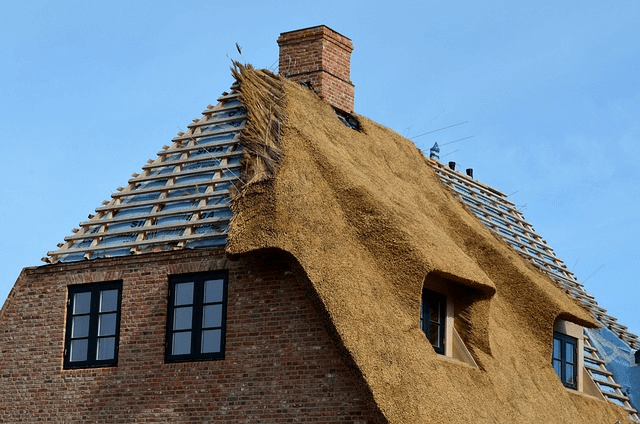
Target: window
[196, 317]
[565, 359]
[93, 325]
[433, 314]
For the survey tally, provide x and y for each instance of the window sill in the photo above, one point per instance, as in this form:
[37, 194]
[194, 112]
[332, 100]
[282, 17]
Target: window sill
[587, 395]
[456, 361]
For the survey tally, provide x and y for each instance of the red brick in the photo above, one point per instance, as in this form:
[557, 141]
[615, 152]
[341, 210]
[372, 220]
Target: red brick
[320, 57]
[281, 363]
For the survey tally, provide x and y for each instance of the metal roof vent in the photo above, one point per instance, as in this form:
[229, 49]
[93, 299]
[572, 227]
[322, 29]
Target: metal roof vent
[433, 152]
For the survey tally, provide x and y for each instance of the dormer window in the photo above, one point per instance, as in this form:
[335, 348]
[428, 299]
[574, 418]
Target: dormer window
[567, 357]
[439, 314]
[433, 317]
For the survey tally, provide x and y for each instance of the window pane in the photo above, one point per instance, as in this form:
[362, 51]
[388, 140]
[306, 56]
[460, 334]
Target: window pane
[213, 291]
[181, 343]
[182, 318]
[212, 316]
[80, 327]
[78, 350]
[211, 341]
[557, 354]
[184, 294]
[569, 352]
[434, 330]
[434, 311]
[81, 303]
[106, 348]
[557, 366]
[570, 378]
[108, 300]
[107, 325]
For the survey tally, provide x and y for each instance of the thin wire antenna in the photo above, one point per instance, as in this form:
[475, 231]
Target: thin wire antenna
[509, 195]
[272, 67]
[437, 115]
[439, 129]
[455, 141]
[576, 263]
[593, 273]
[450, 153]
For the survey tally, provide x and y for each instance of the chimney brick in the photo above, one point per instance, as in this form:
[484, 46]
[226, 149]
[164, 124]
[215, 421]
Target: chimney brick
[321, 58]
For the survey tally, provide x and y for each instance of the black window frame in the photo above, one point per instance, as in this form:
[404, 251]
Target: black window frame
[94, 314]
[429, 300]
[198, 305]
[560, 359]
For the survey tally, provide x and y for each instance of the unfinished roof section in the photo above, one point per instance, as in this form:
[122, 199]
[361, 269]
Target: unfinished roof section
[501, 216]
[179, 201]
[495, 211]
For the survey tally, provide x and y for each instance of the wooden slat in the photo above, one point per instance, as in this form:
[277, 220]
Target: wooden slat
[177, 186]
[134, 244]
[153, 202]
[175, 174]
[598, 370]
[146, 229]
[216, 121]
[445, 169]
[203, 134]
[618, 396]
[221, 108]
[190, 160]
[228, 96]
[153, 215]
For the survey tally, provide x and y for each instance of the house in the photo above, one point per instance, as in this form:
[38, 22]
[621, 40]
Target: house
[287, 260]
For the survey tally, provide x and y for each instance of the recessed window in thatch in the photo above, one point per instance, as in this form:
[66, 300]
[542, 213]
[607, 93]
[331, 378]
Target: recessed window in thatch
[576, 362]
[565, 359]
[433, 315]
[348, 119]
[442, 306]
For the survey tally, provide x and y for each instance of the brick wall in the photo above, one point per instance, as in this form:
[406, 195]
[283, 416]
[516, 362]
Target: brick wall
[321, 58]
[281, 363]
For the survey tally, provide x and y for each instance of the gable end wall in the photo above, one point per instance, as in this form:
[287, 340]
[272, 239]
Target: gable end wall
[281, 364]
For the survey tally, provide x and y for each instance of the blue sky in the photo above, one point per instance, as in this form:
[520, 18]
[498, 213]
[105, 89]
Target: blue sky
[549, 91]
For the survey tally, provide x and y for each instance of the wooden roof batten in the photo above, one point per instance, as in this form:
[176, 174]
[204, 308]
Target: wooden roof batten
[179, 200]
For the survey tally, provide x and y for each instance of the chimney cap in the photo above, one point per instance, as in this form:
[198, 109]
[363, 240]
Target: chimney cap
[316, 28]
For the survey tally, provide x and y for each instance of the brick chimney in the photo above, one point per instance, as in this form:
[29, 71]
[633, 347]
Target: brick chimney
[320, 58]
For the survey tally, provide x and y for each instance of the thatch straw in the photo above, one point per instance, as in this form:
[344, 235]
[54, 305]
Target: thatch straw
[368, 221]
[262, 95]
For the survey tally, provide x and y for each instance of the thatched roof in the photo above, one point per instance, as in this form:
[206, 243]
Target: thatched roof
[368, 219]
